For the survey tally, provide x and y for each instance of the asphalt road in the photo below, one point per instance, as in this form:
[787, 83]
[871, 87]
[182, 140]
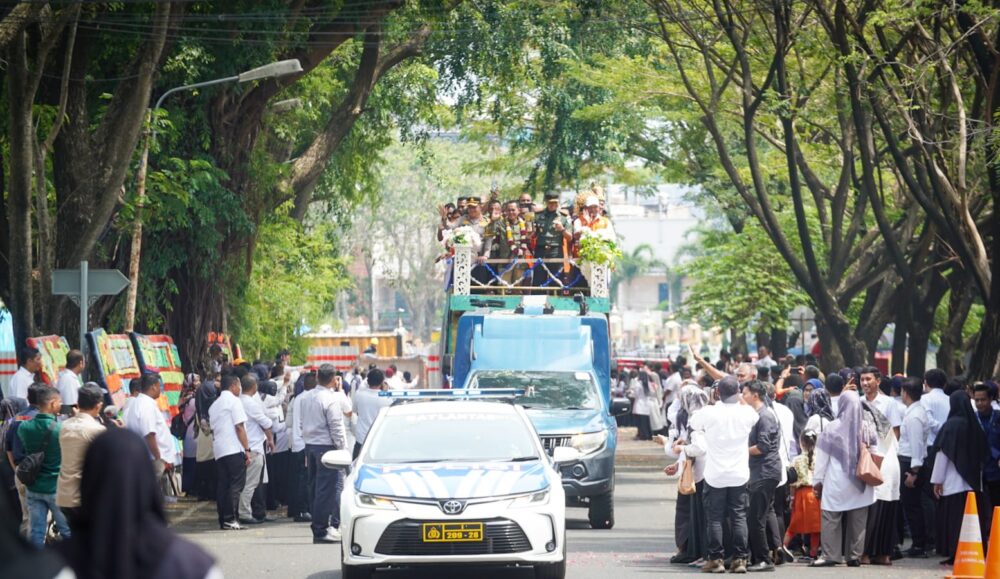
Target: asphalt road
[638, 547]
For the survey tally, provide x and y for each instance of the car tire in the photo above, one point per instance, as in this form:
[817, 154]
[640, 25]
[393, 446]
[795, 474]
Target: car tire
[553, 570]
[353, 571]
[602, 511]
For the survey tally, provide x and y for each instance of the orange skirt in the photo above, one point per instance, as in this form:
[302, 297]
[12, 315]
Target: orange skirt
[805, 512]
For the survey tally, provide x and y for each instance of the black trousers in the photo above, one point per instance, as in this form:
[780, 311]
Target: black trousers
[911, 499]
[277, 474]
[206, 480]
[777, 524]
[356, 451]
[328, 484]
[721, 504]
[74, 518]
[299, 497]
[231, 471]
[644, 428]
[761, 509]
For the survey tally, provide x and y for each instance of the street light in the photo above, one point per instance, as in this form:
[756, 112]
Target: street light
[272, 70]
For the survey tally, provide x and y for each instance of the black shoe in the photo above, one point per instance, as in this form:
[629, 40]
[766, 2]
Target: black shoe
[250, 521]
[896, 554]
[784, 555]
[915, 553]
[681, 559]
[761, 566]
[854, 563]
[823, 563]
[948, 561]
[302, 518]
[266, 519]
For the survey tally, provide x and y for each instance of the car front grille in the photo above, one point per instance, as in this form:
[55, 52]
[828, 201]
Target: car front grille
[551, 442]
[500, 536]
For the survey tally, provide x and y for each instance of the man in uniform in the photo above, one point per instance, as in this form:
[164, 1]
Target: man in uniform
[509, 238]
[552, 235]
[475, 219]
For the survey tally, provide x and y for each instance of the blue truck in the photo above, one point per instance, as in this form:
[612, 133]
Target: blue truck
[556, 348]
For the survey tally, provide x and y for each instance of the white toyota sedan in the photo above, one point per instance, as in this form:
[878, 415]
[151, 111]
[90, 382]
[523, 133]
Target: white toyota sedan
[452, 482]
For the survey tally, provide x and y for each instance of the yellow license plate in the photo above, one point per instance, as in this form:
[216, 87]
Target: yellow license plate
[452, 532]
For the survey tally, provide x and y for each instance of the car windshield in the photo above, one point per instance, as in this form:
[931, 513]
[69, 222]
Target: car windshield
[551, 390]
[451, 437]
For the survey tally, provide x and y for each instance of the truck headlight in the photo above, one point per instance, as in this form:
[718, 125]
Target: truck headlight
[373, 502]
[589, 442]
[532, 500]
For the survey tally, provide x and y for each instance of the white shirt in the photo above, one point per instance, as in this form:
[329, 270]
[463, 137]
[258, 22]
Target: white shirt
[69, 387]
[937, 406]
[786, 421]
[834, 404]
[889, 408]
[323, 419]
[295, 417]
[765, 362]
[913, 434]
[19, 383]
[887, 448]
[257, 422]
[840, 490]
[224, 415]
[816, 423]
[947, 475]
[344, 403]
[726, 429]
[671, 386]
[144, 417]
[367, 404]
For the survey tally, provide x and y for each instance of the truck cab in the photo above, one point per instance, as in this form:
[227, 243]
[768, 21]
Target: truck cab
[557, 348]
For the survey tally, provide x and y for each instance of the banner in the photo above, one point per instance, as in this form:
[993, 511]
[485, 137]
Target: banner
[53, 350]
[116, 362]
[159, 354]
[8, 351]
[223, 341]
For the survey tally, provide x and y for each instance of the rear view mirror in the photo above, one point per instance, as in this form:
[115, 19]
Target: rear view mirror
[620, 406]
[337, 459]
[564, 454]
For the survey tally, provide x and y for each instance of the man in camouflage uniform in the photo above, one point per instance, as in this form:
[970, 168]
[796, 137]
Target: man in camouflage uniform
[552, 234]
[509, 239]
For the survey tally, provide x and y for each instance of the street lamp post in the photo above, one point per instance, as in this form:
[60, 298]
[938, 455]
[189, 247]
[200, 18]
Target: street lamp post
[274, 69]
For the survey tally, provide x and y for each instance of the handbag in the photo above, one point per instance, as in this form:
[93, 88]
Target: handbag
[31, 465]
[868, 471]
[686, 486]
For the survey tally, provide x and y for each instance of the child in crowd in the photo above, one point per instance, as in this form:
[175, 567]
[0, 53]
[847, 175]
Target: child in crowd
[805, 505]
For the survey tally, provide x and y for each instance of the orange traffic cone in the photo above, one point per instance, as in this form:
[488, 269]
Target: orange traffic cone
[969, 561]
[993, 555]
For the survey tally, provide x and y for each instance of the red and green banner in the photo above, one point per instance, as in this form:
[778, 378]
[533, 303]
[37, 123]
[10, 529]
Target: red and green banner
[116, 362]
[159, 354]
[53, 350]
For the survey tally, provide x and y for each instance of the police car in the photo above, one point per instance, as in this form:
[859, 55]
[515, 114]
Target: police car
[458, 481]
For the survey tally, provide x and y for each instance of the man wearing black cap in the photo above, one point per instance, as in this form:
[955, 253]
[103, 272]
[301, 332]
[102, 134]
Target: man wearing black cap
[720, 433]
[551, 236]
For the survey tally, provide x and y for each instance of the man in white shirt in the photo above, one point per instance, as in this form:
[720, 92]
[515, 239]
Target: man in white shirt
[299, 501]
[31, 362]
[913, 434]
[261, 440]
[231, 449]
[147, 420]
[367, 405]
[871, 380]
[323, 431]
[726, 430]
[764, 359]
[935, 402]
[69, 381]
[346, 408]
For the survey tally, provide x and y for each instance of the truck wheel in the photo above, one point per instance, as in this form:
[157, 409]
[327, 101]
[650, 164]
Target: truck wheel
[553, 570]
[602, 511]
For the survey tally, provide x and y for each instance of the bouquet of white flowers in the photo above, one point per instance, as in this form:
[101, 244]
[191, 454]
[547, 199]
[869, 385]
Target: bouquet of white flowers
[598, 249]
[464, 235]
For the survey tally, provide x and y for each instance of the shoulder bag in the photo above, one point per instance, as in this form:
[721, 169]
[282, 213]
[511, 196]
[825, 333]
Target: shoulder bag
[31, 465]
[686, 485]
[868, 471]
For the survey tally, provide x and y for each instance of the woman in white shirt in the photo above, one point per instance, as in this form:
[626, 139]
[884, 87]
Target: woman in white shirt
[820, 411]
[642, 389]
[690, 522]
[958, 468]
[881, 532]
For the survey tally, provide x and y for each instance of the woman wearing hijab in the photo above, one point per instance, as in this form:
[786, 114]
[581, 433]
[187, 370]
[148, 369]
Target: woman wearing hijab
[120, 497]
[844, 498]
[690, 522]
[205, 478]
[881, 529]
[820, 411]
[958, 468]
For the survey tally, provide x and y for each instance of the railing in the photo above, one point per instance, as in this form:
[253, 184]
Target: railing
[518, 276]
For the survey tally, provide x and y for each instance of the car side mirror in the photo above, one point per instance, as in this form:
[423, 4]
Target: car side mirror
[337, 459]
[620, 406]
[565, 454]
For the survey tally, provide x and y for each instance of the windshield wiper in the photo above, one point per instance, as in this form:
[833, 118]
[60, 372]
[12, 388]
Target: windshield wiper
[418, 461]
[523, 458]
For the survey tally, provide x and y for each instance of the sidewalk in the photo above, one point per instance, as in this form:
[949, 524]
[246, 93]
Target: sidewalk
[632, 452]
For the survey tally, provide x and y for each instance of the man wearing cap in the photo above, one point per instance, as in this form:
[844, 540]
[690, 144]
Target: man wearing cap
[591, 220]
[720, 432]
[475, 219]
[372, 347]
[552, 235]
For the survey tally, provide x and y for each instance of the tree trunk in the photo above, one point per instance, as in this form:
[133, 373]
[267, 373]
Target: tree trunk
[739, 343]
[20, 144]
[779, 343]
[899, 339]
[959, 305]
[830, 359]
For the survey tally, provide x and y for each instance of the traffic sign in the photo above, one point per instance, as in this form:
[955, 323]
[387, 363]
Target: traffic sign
[100, 282]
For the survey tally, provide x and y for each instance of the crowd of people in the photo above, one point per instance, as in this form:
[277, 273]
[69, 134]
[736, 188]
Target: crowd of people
[249, 437]
[518, 241]
[777, 461]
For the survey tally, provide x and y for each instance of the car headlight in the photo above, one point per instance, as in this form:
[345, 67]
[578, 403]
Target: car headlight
[373, 502]
[532, 500]
[589, 442]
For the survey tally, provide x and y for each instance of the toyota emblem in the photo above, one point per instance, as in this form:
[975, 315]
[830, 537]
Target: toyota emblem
[452, 507]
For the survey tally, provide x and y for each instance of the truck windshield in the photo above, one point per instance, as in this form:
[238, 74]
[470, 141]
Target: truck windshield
[451, 437]
[552, 390]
